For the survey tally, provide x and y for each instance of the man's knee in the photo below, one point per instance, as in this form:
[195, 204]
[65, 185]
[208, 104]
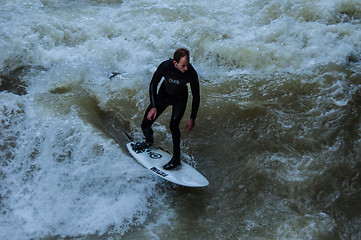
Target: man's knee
[174, 126]
[146, 123]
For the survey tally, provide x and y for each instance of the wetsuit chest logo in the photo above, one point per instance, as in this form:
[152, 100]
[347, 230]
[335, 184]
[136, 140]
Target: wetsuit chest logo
[175, 81]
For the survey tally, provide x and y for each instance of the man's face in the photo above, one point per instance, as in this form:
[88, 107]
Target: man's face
[182, 65]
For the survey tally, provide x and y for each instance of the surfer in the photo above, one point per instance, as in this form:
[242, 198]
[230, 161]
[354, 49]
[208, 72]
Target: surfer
[177, 73]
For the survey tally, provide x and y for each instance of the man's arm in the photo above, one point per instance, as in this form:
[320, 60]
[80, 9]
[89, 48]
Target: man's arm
[157, 76]
[195, 96]
[195, 102]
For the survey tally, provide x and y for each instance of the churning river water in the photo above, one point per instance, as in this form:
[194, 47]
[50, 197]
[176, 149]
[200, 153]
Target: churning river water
[277, 133]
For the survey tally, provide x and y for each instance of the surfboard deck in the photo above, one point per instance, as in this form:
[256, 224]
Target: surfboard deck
[153, 159]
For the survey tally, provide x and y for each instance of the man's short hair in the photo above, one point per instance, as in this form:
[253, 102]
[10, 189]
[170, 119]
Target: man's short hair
[180, 53]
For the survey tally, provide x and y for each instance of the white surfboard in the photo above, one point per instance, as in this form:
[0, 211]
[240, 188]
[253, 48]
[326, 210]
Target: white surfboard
[153, 159]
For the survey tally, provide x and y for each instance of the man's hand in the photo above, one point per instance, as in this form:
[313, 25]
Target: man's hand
[190, 124]
[152, 114]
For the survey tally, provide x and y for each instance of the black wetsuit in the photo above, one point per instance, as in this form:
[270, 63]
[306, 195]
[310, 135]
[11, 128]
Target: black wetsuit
[173, 92]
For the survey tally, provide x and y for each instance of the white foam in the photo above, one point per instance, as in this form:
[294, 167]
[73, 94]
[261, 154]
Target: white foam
[66, 179]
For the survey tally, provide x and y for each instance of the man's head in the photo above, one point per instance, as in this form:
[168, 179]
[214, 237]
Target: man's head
[181, 59]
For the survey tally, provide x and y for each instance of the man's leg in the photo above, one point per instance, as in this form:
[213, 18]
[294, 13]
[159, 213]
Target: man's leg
[178, 110]
[162, 103]
[176, 135]
[147, 127]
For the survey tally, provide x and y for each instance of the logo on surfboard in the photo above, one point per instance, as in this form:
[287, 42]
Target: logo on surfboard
[158, 171]
[150, 153]
[153, 155]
